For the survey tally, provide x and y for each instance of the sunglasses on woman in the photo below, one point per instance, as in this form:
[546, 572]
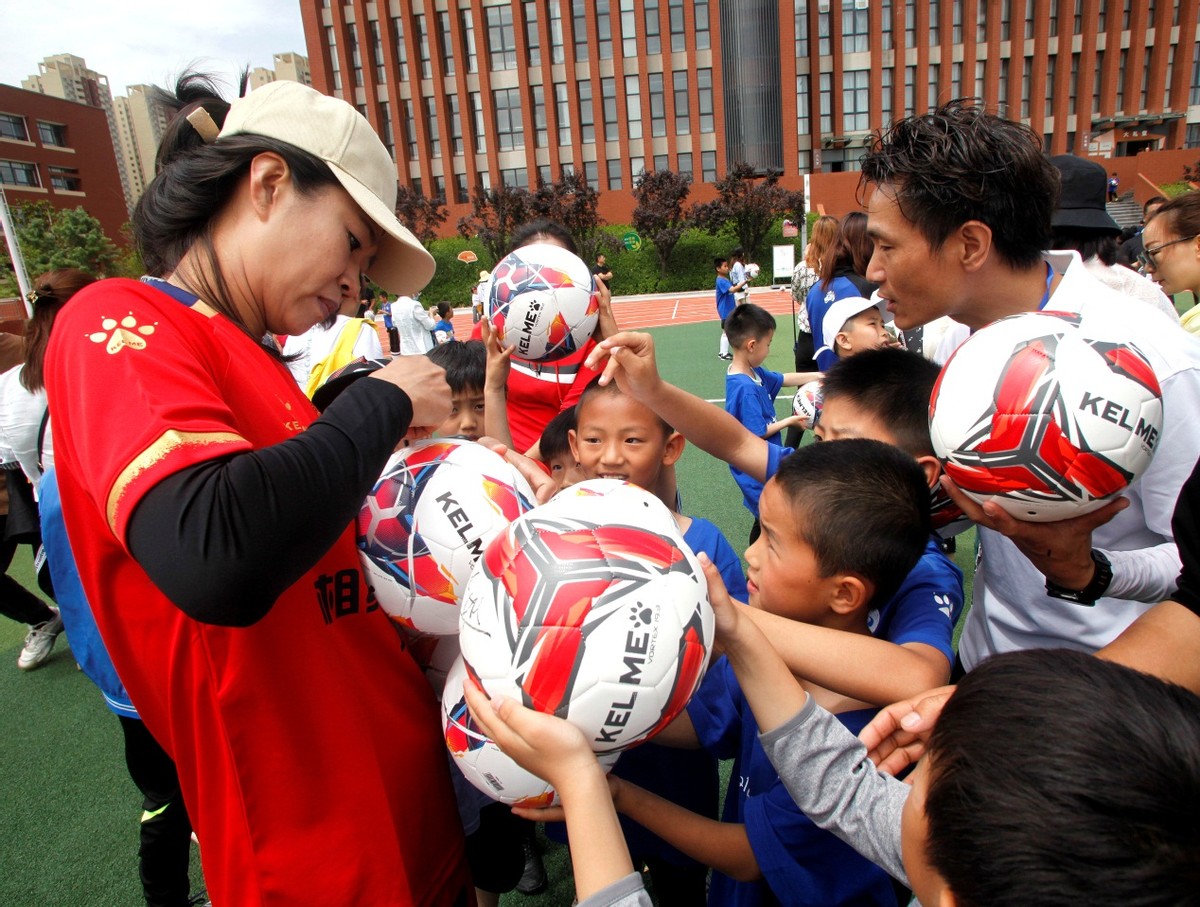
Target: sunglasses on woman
[1149, 256]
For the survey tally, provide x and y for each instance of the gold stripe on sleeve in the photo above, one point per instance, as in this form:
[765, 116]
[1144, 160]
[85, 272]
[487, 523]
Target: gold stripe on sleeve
[164, 445]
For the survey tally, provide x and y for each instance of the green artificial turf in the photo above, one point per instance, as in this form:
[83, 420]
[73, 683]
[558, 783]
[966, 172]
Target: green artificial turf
[68, 810]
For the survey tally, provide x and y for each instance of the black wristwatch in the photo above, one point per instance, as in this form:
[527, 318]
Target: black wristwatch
[1093, 590]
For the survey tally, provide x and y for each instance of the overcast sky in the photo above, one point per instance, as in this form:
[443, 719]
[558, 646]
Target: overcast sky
[148, 41]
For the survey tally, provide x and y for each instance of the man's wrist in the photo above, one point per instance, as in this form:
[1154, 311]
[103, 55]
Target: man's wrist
[1085, 592]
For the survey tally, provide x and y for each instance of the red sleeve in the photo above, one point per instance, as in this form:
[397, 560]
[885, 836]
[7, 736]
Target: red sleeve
[132, 374]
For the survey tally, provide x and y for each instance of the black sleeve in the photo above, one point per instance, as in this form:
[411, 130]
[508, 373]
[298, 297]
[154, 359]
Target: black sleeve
[223, 539]
[1186, 527]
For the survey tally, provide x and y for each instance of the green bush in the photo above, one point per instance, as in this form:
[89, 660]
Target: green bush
[1170, 190]
[691, 266]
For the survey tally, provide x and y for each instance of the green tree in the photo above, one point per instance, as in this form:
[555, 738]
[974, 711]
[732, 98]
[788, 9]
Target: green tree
[53, 238]
[659, 215]
[495, 213]
[750, 203]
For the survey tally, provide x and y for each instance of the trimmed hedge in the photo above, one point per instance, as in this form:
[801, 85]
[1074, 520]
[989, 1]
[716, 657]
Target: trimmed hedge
[690, 267]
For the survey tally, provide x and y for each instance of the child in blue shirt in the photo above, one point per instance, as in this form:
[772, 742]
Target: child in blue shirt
[726, 301]
[750, 389]
[615, 437]
[443, 330]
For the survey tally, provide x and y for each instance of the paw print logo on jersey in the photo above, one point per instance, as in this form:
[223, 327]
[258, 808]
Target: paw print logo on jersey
[119, 335]
[944, 605]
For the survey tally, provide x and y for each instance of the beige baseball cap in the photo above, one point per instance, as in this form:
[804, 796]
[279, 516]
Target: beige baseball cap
[332, 130]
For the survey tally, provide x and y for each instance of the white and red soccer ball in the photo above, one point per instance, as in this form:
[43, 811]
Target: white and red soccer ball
[426, 522]
[807, 404]
[1049, 414]
[592, 608]
[542, 301]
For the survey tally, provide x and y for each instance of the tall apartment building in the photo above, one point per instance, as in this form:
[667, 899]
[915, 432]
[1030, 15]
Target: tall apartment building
[483, 92]
[289, 67]
[67, 76]
[140, 127]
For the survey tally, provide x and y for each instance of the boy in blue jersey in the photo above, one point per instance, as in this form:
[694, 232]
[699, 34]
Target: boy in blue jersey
[726, 302]
[615, 437]
[825, 558]
[750, 389]
[911, 650]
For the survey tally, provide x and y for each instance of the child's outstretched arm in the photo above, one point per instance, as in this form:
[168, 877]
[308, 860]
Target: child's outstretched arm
[628, 359]
[557, 751]
[495, 387]
[795, 379]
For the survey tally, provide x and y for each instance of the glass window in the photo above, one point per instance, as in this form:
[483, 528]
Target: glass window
[628, 29]
[661, 162]
[685, 163]
[604, 30]
[981, 23]
[608, 95]
[477, 117]
[956, 80]
[1050, 79]
[910, 24]
[885, 23]
[335, 64]
[410, 130]
[824, 47]
[1195, 93]
[446, 39]
[704, 99]
[614, 173]
[562, 107]
[855, 26]
[591, 173]
[675, 18]
[431, 123]
[401, 48]
[541, 138]
[544, 175]
[887, 88]
[377, 53]
[856, 95]
[683, 120]
[355, 56]
[1026, 81]
[385, 123]
[422, 45]
[579, 24]
[826, 91]
[658, 109]
[1121, 81]
[557, 49]
[65, 178]
[516, 178]
[468, 29]
[935, 72]
[1096, 81]
[801, 29]
[633, 106]
[587, 116]
[456, 136]
[439, 189]
[462, 194]
[708, 166]
[1003, 87]
[1073, 88]
[803, 105]
[653, 38]
[19, 173]
[509, 123]
[956, 21]
[532, 38]
[935, 13]
[502, 43]
[52, 134]
[910, 89]
[703, 40]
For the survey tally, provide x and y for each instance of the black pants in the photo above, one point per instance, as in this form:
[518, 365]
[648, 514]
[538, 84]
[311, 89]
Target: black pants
[394, 341]
[16, 601]
[166, 831]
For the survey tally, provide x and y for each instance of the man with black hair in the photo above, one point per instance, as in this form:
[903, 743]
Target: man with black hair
[957, 233]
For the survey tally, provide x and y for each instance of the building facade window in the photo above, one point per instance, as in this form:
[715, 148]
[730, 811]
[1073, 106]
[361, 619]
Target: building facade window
[803, 105]
[653, 30]
[579, 24]
[558, 53]
[502, 42]
[446, 40]
[910, 23]
[608, 97]
[66, 178]
[423, 45]
[801, 8]
[515, 178]
[541, 138]
[510, 126]
[703, 38]
[855, 28]
[1194, 96]
[935, 73]
[675, 20]
[683, 119]
[614, 173]
[52, 134]
[377, 53]
[410, 130]
[562, 108]
[886, 90]
[462, 194]
[658, 107]
[439, 189]
[335, 64]
[1050, 61]
[826, 99]
[824, 42]
[477, 119]
[604, 44]
[19, 173]
[910, 89]
[456, 136]
[856, 94]
[387, 134]
[1026, 81]
[431, 125]
[704, 99]
[355, 57]
[685, 163]
[628, 29]
[708, 166]
[633, 106]
[587, 116]
[591, 174]
[935, 25]
[533, 41]
[468, 30]
[401, 47]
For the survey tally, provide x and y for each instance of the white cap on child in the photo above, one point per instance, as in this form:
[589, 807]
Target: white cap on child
[842, 311]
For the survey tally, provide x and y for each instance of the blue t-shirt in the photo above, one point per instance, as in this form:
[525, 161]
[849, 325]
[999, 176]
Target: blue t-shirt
[820, 298]
[753, 404]
[801, 864]
[388, 324]
[725, 301]
[686, 777]
[445, 326]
